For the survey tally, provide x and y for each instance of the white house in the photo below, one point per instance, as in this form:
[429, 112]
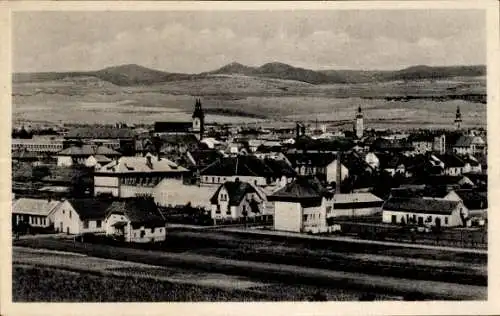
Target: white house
[135, 176]
[236, 199]
[79, 216]
[301, 206]
[425, 211]
[135, 220]
[34, 212]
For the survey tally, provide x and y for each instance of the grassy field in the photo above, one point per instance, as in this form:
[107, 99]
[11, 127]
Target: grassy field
[252, 259]
[249, 99]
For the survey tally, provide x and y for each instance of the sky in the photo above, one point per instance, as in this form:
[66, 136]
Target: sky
[198, 41]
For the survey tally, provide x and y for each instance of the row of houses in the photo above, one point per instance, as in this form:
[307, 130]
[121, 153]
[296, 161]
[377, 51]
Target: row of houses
[131, 220]
[303, 205]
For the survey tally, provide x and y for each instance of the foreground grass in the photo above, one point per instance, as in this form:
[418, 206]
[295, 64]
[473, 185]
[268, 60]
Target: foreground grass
[37, 284]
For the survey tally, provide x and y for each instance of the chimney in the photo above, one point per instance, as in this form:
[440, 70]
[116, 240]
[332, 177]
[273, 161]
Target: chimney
[339, 172]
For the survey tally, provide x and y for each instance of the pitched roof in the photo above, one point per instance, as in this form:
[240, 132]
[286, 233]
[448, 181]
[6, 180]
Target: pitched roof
[280, 167]
[306, 190]
[236, 191]
[473, 200]
[138, 211]
[359, 197]
[41, 207]
[90, 208]
[25, 154]
[203, 158]
[186, 139]
[464, 141]
[100, 133]
[238, 166]
[87, 150]
[451, 161]
[420, 205]
[141, 164]
[316, 159]
[172, 127]
[391, 144]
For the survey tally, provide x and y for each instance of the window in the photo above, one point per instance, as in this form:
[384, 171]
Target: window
[304, 218]
[328, 209]
[69, 214]
[143, 233]
[393, 219]
[446, 220]
[217, 211]
[98, 223]
[161, 230]
[213, 179]
[153, 230]
[228, 212]
[85, 224]
[63, 212]
[218, 179]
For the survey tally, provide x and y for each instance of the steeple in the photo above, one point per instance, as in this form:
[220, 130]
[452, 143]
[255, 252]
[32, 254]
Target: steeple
[198, 119]
[359, 114]
[458, 118]
[358, 125]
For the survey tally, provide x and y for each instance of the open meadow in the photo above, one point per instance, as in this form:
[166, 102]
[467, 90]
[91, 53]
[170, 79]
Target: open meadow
[240, 99]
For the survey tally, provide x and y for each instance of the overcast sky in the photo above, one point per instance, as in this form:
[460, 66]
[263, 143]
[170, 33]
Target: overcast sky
[194, 42]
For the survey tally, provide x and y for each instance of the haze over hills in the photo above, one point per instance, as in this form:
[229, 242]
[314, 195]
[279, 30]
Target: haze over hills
[134, 75]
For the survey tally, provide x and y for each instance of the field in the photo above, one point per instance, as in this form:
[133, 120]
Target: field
[44, 276]
[429, 273]
[247, 99]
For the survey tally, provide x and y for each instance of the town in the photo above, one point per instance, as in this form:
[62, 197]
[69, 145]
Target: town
[131, 183]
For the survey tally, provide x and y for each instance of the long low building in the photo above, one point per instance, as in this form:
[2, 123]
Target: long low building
[425, 211]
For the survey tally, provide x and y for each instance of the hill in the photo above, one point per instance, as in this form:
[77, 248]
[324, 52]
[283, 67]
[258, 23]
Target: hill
[134, 75]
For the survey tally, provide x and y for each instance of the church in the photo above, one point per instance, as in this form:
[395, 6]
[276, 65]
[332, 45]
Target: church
[196, 127]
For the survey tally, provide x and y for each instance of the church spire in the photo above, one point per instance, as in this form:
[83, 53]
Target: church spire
[458, 118]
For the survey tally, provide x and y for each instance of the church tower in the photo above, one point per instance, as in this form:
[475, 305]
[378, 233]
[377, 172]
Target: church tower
[198, 119]
[359, 128]
[458, 119]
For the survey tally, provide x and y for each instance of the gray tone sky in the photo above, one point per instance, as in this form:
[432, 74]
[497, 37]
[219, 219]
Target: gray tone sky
[200, 41]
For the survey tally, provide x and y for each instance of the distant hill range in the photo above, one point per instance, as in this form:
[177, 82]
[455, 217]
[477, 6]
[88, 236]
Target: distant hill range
[132, 75]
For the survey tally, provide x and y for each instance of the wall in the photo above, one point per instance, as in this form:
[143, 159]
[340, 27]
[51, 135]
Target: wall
[127, 191]
[150, 234]
[356, 211]
[174, 193]
[314, 219]
[33, 220]
[287, 216]
[106, 184]
[331, 172]
[69, 218]
[111, 219]
[92, 226]
[208, 179]
[453, 219]
[64, 161]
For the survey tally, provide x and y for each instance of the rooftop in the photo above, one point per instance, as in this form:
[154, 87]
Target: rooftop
[421, 205]
[100, 133]
[149, 163]
[41, 207]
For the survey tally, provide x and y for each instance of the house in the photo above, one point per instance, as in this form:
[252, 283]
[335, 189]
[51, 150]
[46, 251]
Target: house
[301, 206]
[260, 172]
[355, 204]
[453, 164]
[34, 212]
[96, 161]
[475, 201]
[133, 176]
[322, 165]
[235, 200]
[470, 145]
[392, 145]
[392, 163]
[424, 211]
[80, 154]
[372, 160]
[135, 220]
[170, 193]
[84, 215]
